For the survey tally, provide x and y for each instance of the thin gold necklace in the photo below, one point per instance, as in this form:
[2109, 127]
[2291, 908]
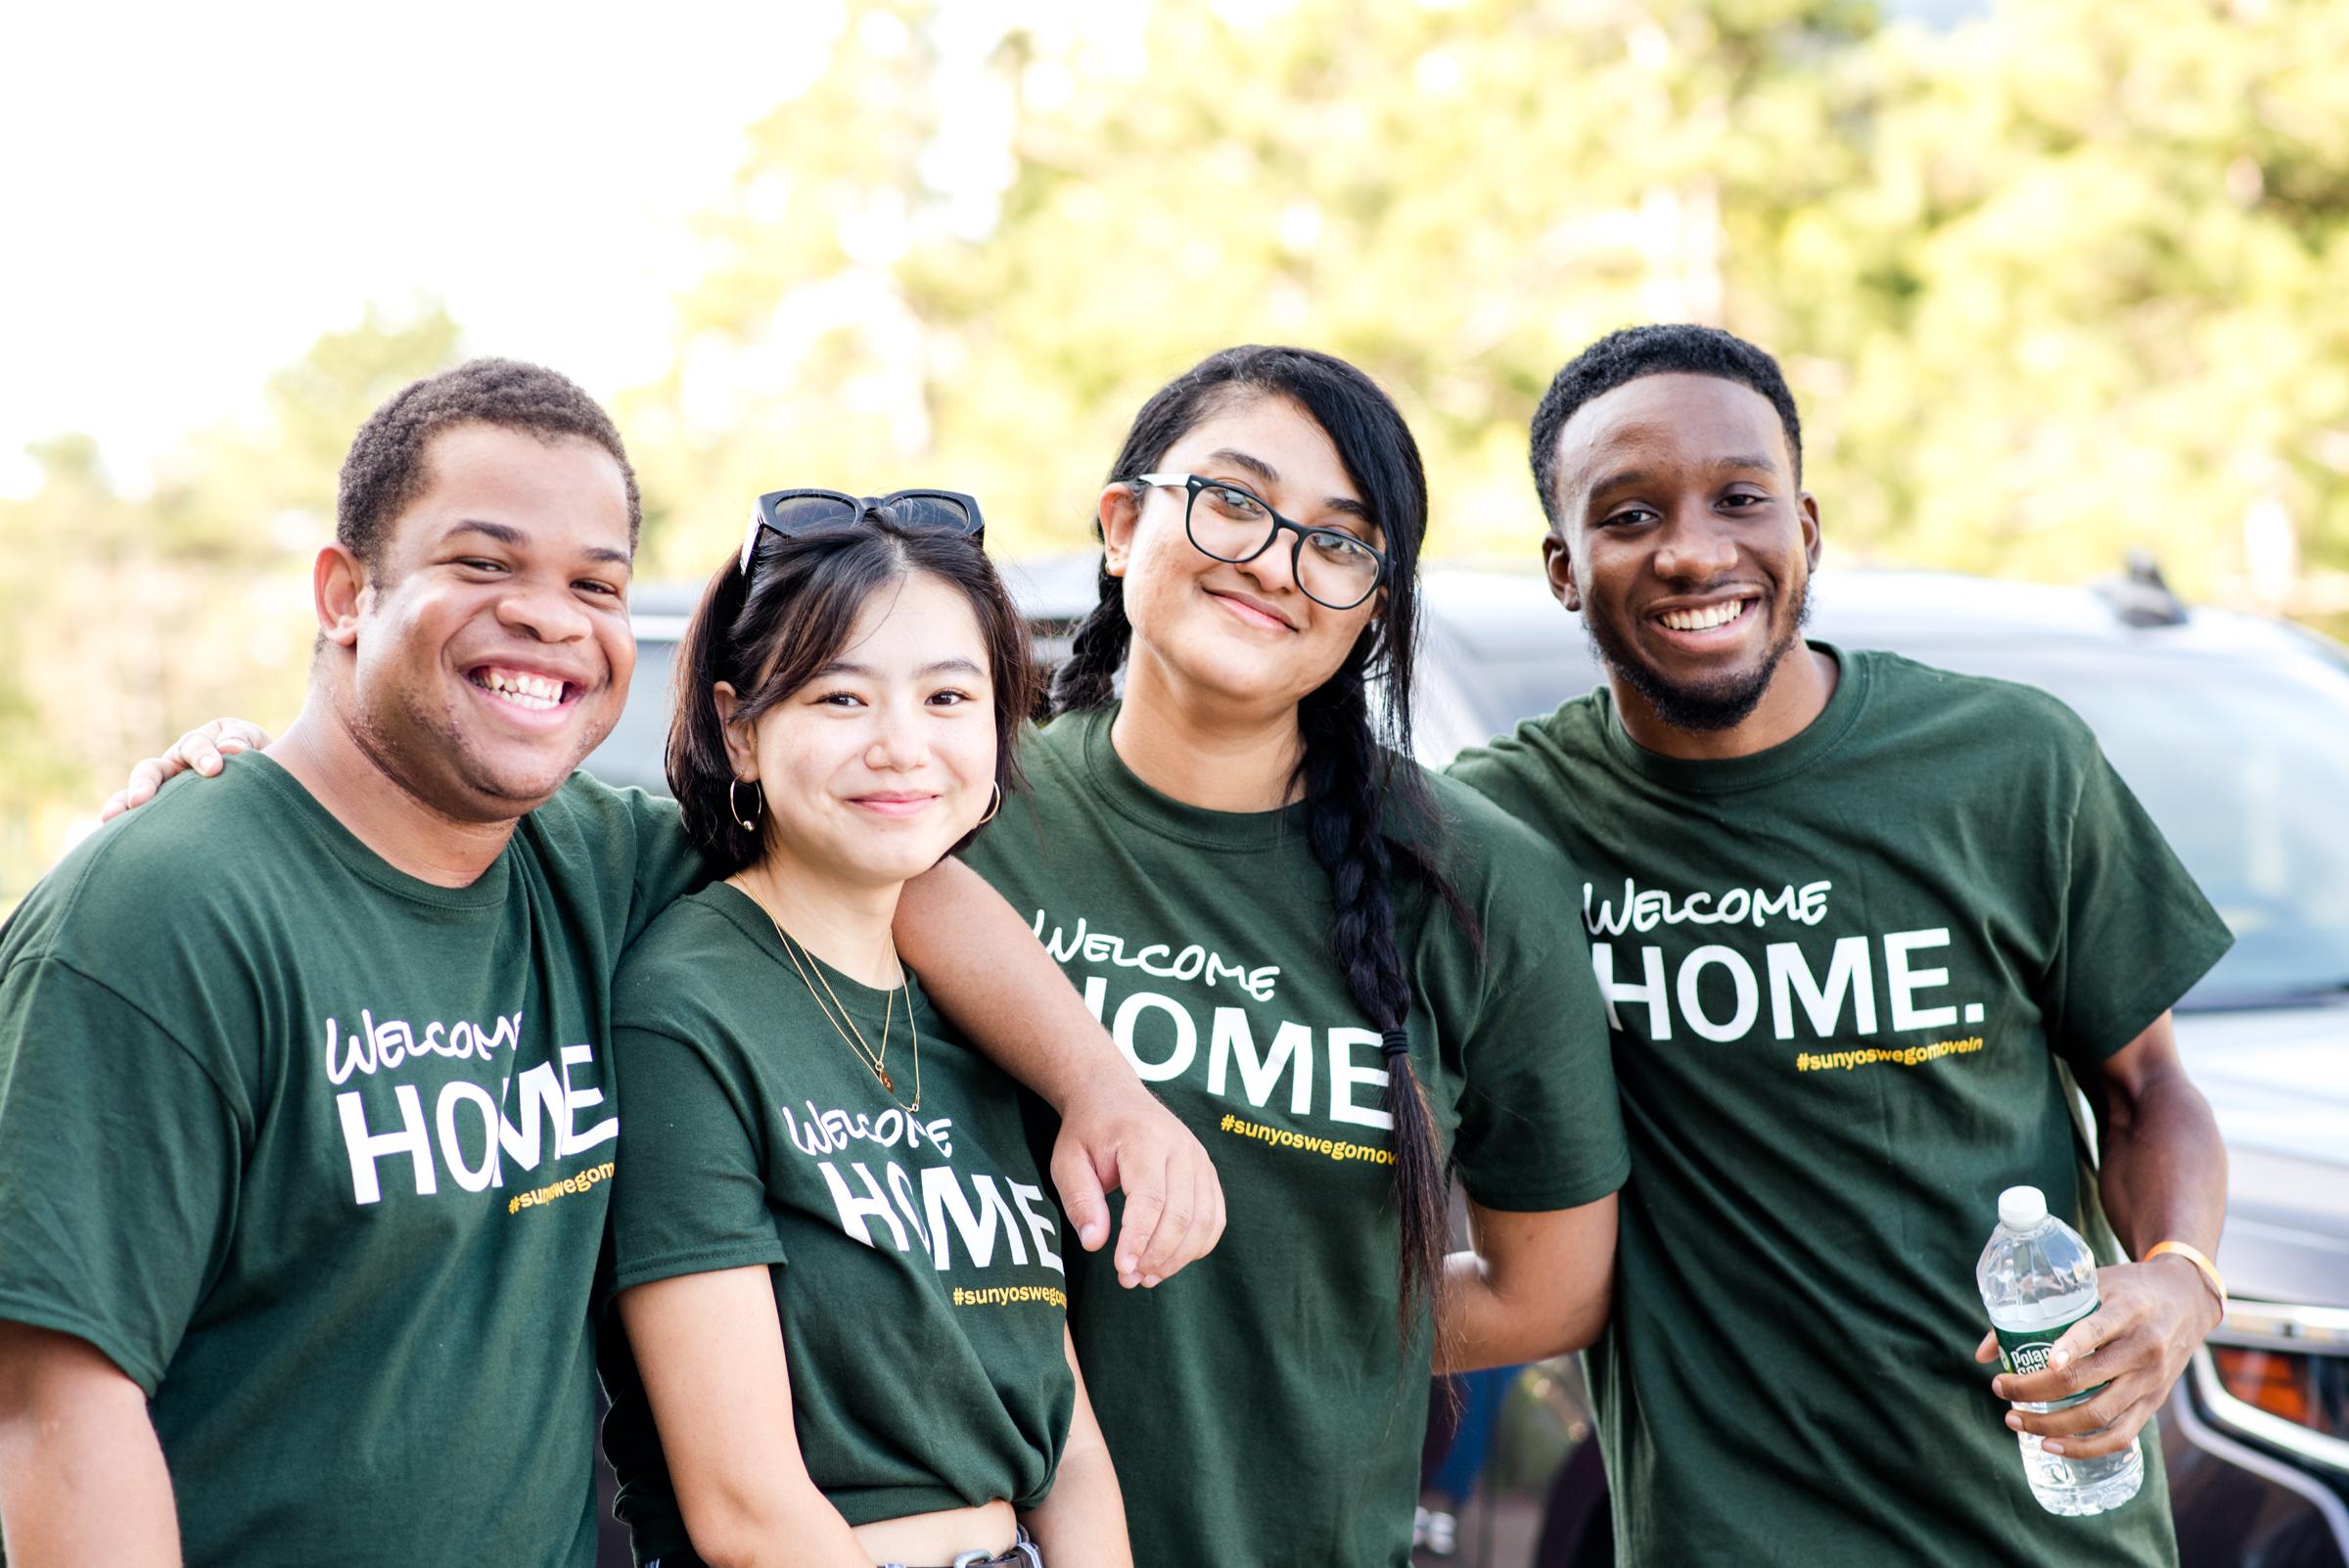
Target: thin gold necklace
[843, 1024]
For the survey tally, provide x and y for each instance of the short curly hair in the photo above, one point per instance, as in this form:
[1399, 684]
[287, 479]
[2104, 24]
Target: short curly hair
[1630, 352]
[385, 468]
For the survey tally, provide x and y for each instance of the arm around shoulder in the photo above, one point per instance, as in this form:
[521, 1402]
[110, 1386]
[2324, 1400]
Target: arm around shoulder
[83, 1478]
[986, 971]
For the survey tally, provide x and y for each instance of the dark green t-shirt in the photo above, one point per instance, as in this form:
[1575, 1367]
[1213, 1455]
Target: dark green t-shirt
[315, 1151]
[1841, 972]
[916, 1257]
[1260, 1406]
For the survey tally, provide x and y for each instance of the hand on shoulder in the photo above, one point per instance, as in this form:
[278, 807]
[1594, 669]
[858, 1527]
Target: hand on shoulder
[199, 749]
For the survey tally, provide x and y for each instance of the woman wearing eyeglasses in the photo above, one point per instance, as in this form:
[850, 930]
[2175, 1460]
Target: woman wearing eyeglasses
[1333, 965]
[839, 1334]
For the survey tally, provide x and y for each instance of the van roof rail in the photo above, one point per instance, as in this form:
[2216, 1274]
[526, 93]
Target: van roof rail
[2141, 596]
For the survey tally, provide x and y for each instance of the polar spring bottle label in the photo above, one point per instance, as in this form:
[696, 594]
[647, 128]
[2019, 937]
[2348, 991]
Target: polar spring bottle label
[2022, 1351]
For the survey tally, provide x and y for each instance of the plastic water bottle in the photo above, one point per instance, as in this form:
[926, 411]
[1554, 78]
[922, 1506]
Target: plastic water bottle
[2037, 1278]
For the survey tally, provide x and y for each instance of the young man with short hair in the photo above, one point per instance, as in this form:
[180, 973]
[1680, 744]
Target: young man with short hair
[1849, 913]
[305, 1106]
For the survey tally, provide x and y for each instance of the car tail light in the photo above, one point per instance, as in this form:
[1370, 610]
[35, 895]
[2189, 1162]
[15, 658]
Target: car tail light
[2311, 1391]
[2283, 1375]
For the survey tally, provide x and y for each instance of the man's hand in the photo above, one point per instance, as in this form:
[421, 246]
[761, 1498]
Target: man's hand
[200, 749]
[2135, 1343]
[2164, 1174]
[1115, 1133]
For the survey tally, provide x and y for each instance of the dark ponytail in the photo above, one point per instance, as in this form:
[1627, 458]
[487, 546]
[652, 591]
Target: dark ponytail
[1348, 778]
[1355, 778]
[1088, 678]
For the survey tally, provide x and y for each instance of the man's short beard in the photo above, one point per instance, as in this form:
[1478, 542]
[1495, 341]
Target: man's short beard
[1717, 705]
[424, 754]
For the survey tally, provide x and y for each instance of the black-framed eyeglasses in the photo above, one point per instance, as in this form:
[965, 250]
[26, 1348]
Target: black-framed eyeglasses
[791, 512]
[1227, 522]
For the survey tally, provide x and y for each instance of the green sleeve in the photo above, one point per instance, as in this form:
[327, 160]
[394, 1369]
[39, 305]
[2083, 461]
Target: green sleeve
[2135, 931]
[1512, 772]
[119, 1162]
[1539, 1125]
[668, 866]
[599, 836]
[688, 1193]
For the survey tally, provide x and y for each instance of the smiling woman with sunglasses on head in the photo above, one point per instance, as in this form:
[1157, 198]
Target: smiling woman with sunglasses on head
[1329, 962]
[839, 1275]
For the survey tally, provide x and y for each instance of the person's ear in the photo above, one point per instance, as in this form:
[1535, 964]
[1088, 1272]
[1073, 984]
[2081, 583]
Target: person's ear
[742, 735]
[1120, 511]
[340, 593]
[1557, 565]
[1806, 505]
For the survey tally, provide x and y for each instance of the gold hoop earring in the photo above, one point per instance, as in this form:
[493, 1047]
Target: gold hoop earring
[734, 806]
[993, 807]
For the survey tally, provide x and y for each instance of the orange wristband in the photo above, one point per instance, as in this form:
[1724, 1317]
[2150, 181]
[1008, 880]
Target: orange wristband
[2192, 1254]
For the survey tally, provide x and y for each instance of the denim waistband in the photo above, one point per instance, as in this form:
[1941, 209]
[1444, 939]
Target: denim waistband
[1022, 1554]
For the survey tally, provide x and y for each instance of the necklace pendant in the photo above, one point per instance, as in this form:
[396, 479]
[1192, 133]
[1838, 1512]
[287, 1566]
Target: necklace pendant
[887, 1082]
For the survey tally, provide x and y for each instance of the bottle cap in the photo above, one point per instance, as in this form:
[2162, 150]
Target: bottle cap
[2021, 1208]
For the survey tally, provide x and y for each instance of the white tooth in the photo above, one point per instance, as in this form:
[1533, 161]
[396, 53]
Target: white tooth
[1704, 619]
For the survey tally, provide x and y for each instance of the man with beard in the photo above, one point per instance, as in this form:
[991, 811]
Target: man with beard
[1855, 919]
[306, 1112]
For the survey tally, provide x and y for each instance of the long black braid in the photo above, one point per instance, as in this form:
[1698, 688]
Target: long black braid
[1354, 776]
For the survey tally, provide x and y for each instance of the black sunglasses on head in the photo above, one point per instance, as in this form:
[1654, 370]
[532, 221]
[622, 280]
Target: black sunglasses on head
[792, 513]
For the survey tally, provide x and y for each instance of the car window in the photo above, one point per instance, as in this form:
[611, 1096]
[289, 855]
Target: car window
[2243, 766]
[636, 750]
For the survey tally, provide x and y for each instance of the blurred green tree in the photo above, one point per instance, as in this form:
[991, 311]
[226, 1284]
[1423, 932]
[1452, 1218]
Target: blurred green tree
[966, 254]
[2027, 274]
[2092, 291]
[142, 616]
